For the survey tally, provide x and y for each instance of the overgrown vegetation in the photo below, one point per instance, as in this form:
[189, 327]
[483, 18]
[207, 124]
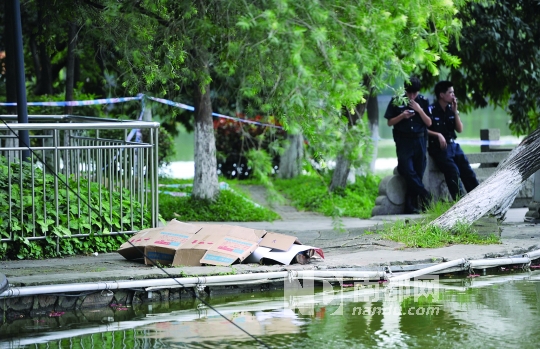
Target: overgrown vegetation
[230, 206]
[421, 234]
[20, 206]
[311, 193]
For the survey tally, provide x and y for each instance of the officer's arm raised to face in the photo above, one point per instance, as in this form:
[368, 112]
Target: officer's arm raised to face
[459, 124]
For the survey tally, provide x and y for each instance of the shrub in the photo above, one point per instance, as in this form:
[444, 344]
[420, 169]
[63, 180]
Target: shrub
[234, 139]
[310, 193]
[175, 202]
[95, 212]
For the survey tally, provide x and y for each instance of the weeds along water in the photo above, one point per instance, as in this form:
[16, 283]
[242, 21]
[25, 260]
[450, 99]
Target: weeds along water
[419, 233]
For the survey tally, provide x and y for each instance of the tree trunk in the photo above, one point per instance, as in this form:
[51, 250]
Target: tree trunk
[341, 172]
[373, 118]
[205, 182]
[70, 69]
[44, 75]
[496, 193]
[343, 163]
[290, 162]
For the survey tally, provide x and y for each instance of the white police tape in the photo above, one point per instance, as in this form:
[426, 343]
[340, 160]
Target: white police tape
[77, 103]
[127, 99]
[474, 142]
[171, 103]
[188, 107]
[486, 142]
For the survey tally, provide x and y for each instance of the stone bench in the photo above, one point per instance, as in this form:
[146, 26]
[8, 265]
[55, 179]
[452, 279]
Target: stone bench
[392, 188]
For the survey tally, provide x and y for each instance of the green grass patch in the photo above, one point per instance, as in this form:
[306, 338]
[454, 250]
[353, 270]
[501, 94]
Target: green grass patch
[422, 234]
[310, 193]
[231, 205]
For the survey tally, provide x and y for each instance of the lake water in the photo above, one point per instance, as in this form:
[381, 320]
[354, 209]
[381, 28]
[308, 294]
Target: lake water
[494, 311]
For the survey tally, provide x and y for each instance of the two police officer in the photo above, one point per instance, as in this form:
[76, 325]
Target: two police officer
[410, 120]
[443, 148]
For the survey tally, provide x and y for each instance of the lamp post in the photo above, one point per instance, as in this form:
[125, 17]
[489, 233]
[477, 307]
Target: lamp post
[13, 9]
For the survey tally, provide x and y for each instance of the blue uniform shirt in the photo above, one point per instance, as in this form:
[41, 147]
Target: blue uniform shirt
[443, 122]
[412, 126]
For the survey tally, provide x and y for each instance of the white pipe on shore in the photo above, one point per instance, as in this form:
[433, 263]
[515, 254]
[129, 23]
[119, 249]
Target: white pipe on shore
[489, 263]
[188, 282]
[533, 254]
[224, 280]
[371, 275]
[428, 270]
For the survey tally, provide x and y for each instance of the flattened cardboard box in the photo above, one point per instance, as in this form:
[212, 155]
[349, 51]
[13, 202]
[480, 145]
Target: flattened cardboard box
[218, 245]
[187, 244]
[159, 244]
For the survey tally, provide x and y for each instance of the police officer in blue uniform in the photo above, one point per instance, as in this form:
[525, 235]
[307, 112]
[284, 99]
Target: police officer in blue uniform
[442, 148]
[410, 121]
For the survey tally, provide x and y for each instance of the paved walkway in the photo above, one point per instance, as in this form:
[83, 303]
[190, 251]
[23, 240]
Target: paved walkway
[285, 210]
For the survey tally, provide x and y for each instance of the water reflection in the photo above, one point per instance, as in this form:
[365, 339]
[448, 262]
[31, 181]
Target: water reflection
[215, 328]
[492, 311]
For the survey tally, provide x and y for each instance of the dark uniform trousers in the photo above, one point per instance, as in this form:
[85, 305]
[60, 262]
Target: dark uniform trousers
[411, 154]
[410, 138]
[453, 163]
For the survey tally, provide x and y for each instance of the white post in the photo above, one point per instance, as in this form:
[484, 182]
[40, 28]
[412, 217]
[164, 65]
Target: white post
[533, 215]
[536, 190]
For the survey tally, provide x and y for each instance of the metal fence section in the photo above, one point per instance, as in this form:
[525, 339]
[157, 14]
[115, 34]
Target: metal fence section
[85, 175]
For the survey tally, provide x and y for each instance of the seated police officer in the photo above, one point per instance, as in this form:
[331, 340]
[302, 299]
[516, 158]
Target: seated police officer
[410, 120]
[442, 148]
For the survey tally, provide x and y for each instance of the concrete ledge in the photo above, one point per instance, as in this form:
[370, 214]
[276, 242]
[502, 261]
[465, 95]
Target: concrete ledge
[487, 157]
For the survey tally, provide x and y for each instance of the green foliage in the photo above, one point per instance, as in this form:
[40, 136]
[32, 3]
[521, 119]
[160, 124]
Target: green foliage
[230, 206]
[499, 48]
[422, 234]
[310, 193]
[437, 208]
[22, 205]
[339, 50]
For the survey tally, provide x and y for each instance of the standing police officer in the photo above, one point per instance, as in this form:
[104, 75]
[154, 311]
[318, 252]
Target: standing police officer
[410, 121]
[444, 150]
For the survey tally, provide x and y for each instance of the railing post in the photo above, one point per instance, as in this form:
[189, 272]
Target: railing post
[492, 134]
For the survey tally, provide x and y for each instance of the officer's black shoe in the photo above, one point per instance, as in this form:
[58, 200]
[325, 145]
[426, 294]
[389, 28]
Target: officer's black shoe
[425, 202]
[412, 210]
[411, 205]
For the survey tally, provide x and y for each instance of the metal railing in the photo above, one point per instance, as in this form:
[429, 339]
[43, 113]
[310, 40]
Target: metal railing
[84, 175]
